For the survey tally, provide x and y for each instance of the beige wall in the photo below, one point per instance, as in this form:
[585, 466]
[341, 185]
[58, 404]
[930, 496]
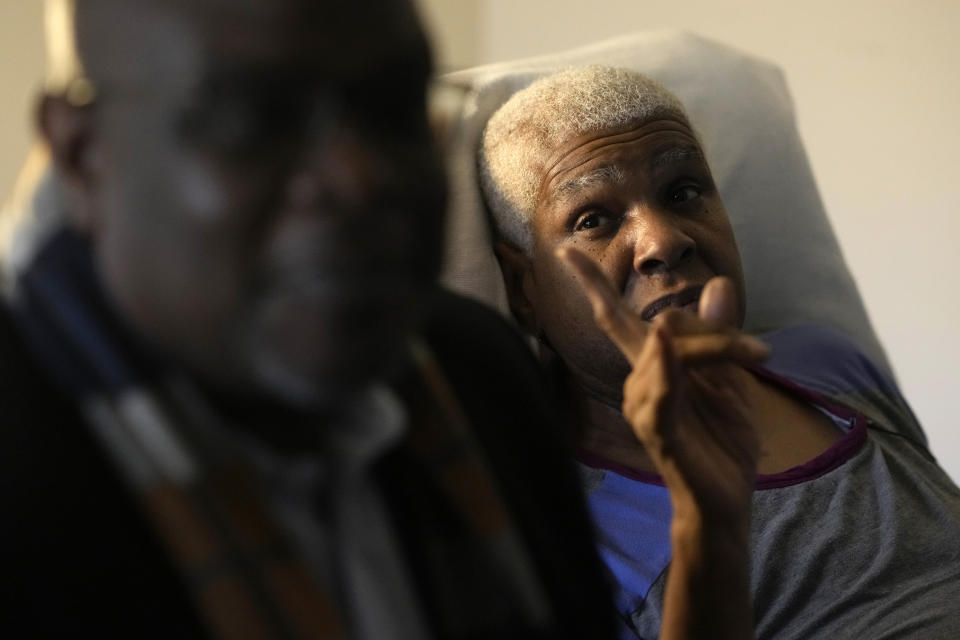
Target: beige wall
[456, 29]
[877, 90]
[21, 71]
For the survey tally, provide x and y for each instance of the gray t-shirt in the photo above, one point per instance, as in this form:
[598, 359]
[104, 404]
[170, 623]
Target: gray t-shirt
[863, 541]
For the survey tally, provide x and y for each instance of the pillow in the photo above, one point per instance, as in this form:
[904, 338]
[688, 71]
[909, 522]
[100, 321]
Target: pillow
[741, 108]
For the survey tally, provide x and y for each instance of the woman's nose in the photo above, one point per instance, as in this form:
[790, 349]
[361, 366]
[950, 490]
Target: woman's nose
[661, 245]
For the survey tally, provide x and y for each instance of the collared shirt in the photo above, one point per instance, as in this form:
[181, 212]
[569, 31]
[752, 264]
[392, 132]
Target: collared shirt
[332, 511]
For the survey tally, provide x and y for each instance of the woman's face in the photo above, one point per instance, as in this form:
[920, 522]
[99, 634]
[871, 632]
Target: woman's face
[642, 203]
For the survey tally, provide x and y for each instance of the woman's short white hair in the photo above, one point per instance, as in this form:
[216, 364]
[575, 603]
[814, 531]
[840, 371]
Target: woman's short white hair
[521, 135]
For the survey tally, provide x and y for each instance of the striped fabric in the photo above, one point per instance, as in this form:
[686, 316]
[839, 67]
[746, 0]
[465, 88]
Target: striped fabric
[245, 577]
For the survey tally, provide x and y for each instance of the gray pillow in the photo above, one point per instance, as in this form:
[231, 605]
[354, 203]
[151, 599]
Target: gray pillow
[742, 109]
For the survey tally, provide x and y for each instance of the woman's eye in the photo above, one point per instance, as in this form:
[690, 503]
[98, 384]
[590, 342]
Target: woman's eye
[590, 220]
[685, 194]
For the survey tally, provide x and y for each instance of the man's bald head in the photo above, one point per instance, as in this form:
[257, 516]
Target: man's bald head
[142, 41]
[258, 182]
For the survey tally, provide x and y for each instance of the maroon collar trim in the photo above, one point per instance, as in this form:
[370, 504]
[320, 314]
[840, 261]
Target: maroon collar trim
[836, 455]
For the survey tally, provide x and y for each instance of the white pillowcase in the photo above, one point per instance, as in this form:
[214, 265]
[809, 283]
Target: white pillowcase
[742, 110]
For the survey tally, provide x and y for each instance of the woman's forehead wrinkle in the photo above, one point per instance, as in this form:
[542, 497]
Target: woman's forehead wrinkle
[579, 150]
[569, 158]
[674, 155]
[605, 175]
[613, 174]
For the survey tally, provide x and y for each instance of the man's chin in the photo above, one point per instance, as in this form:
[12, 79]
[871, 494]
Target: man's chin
[318, 347]
[325, 383]
[303, 392]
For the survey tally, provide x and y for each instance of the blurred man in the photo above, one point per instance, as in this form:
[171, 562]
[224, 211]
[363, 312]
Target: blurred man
[232, 400]
[618, 256]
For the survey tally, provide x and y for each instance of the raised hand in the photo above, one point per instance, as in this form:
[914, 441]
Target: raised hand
[687, 401]
[685, 397]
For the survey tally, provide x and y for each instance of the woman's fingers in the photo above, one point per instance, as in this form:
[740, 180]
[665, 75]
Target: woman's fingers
[650, 391]
[719, 347]
[696, 342]
[718, 303]
[621, 324]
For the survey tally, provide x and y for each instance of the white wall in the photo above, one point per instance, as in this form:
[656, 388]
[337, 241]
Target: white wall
[877, 90]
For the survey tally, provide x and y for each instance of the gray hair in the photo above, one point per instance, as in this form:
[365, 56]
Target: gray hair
[521, 135]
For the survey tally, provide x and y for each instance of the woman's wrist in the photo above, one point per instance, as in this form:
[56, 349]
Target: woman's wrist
[708, 587]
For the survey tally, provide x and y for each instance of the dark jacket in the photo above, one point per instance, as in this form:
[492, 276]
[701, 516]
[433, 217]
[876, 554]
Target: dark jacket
[78, 559]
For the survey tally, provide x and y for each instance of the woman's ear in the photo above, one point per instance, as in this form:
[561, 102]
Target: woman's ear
[69, 131]
[518, 278]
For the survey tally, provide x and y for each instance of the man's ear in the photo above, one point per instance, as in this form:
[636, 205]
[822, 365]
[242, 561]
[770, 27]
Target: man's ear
[517, 276]
[70, 132]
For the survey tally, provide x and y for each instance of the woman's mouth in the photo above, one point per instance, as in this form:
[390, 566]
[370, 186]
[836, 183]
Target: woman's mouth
[686, 300]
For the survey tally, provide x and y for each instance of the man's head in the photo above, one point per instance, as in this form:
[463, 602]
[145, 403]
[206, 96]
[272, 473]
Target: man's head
[258, 181]
[605, 161]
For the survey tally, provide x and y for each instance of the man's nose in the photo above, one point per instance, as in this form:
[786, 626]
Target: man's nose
[661, 245]
[342, 170]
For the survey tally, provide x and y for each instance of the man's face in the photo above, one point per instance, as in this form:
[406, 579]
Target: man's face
[641, 202]
[267, 204]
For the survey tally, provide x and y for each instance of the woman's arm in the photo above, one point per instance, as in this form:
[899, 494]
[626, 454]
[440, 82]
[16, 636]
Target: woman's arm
[686, 400]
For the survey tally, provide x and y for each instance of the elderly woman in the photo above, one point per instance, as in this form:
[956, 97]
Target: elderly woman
[618, 257]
